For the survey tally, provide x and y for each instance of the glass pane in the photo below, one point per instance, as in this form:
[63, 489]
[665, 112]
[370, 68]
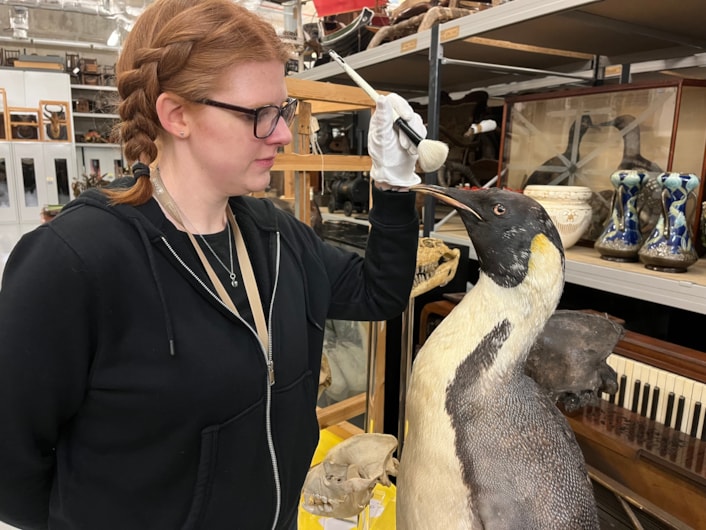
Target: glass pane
[29, 181]
[62, 179]
[4, 191]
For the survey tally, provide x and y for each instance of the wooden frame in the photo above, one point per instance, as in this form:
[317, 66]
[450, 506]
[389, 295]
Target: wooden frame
[55, 124]
[4, 116]
[24, 124]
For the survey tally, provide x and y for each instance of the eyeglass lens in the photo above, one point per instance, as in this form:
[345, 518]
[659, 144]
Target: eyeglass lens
[269, 116]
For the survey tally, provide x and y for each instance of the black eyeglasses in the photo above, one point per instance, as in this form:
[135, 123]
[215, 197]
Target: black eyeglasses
[266, 117]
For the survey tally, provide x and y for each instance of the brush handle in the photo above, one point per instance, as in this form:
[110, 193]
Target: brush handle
[362, 83]
[411, 133]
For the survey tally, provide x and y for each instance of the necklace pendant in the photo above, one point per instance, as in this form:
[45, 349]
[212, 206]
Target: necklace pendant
[233, 280]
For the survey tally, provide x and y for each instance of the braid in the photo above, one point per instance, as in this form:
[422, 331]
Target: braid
[180, 46]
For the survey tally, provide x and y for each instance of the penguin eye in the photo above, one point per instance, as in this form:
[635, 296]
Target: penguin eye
[499, 209]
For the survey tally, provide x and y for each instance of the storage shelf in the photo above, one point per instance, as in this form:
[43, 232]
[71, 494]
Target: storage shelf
[99, 145]
[563, 36]
[585, 267]
[97, 88]
[92, 115]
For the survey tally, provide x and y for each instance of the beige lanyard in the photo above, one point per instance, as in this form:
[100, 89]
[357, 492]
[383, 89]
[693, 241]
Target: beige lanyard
[162, 196]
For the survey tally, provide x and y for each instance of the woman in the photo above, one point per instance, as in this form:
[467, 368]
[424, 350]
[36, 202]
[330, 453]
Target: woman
[161, 341]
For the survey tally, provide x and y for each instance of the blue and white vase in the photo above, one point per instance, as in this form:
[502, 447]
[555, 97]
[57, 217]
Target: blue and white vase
[670, 246]
[621, 238]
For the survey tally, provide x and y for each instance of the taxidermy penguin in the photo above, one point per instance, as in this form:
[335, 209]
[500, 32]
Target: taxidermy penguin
[485, 447]
[564, 162]
[630, 131]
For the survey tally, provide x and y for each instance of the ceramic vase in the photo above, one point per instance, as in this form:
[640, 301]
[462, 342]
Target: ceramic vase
[670, 246]
[621, 238]
[567, 206]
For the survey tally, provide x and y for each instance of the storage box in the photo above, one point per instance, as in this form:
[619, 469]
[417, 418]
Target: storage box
[580, 137]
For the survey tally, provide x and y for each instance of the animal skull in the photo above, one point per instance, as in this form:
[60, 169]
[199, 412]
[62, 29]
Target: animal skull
[436, 265]
[342, 484]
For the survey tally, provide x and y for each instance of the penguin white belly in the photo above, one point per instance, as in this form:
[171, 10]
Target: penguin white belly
[430, 486]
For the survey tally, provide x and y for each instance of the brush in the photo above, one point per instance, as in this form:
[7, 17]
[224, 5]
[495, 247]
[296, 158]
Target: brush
[432, 153]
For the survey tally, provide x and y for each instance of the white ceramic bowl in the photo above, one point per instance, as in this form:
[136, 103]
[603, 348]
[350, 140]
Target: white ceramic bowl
[568, 207]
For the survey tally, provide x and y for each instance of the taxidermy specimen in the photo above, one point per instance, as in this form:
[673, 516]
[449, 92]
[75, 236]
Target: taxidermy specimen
[486, 448]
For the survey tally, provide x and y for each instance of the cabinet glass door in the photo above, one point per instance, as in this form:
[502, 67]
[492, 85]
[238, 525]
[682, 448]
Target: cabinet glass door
[8, 201]
[30, 180]
[60, 165]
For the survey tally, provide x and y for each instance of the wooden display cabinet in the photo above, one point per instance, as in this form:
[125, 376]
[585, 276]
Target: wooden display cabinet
[580, 137]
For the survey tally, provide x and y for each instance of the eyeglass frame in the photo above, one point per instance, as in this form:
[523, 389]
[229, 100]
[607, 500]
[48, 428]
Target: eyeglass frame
[256, 112]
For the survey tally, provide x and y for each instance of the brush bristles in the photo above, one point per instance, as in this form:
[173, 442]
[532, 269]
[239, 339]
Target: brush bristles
[432, 155]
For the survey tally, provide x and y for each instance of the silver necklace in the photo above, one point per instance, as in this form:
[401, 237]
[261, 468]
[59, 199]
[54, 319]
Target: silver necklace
[231, 271]
[176, 212]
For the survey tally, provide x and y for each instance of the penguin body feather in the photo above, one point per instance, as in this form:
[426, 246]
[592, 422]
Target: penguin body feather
[485, 447]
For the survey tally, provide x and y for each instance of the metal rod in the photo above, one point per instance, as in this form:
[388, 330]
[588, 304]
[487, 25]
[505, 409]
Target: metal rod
[434, 110]
[406, 355]
[513, 69]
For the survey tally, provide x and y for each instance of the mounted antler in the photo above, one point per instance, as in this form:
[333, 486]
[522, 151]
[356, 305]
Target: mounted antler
[56, 118]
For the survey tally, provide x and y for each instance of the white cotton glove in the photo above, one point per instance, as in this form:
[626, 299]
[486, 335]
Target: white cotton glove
[393, 153]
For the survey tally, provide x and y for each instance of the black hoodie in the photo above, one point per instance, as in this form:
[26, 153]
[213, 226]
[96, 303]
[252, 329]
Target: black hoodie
[131, 398]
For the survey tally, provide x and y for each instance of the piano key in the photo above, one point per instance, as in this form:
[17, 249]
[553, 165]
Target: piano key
[668, 387]
[652, 376]
[645, 400]
[655, 403]
[695, 415]
[628, 371]
[637, 386]
[668, 416]
[635, 395]
[644, 389]
[679, 416]
[700, 397]
[688, 405]
[678, 391]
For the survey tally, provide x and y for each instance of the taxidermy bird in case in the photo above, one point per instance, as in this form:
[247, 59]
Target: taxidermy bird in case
[486, 447]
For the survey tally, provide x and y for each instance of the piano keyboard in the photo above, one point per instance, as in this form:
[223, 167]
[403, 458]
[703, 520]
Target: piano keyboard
[666, 398]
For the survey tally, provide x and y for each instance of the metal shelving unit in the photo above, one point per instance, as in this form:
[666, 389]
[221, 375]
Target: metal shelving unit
[535, 45]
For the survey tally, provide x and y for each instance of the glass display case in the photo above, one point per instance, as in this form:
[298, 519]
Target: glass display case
[580, 137]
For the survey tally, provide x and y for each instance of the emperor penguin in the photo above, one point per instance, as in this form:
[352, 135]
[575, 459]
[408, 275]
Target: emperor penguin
[485, 447]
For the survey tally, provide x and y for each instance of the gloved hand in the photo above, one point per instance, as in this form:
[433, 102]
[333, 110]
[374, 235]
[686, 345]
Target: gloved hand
[394, 155]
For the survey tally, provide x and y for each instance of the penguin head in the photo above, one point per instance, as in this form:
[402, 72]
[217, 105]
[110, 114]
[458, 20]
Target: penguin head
[506, 228]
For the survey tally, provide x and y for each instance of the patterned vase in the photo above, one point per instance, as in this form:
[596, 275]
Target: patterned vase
[670, 248]
[621, 237]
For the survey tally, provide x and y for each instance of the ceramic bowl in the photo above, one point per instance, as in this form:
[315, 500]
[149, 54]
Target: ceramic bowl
[568, 207]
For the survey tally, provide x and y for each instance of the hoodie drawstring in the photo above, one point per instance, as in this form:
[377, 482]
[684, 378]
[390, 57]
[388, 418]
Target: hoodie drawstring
[158, 283]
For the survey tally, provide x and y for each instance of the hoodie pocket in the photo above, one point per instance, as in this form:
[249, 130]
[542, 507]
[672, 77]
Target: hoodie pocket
[234, 486]
[234, 474]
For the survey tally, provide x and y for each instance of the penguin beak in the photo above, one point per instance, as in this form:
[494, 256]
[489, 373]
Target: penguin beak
[452, 196]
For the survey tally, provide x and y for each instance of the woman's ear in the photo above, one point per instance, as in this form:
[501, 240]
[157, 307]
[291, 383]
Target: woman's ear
[170, 110]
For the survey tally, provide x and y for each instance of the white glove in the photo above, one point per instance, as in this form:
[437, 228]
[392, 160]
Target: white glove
[394, 155]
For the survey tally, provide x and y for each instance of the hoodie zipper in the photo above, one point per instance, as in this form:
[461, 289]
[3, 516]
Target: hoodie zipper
[267, 353]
